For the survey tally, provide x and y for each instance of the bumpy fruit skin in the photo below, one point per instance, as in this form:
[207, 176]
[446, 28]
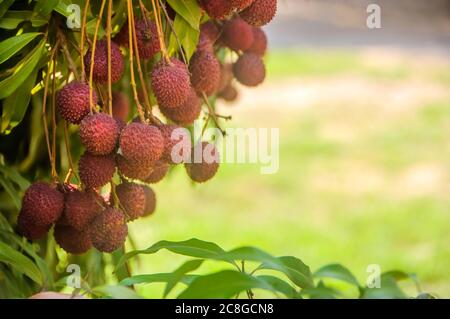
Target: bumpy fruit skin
[210, 29]
[170, 83]
[28, 229]
[205, 72]
[185, 114]
[249, 69]
[229, 94]
[96, 170]
[204, 43]
[158, 173]
[71, 240]
[141, 143]
[120, 106]
[259, 45]
[237, 34]
[108, 231]
[150, 201]
[81, 208]
[260, 12]
[217, 9]
[73, 101]
[133, 170]
[100, 74]
[176, 139]
[132, 200]
[240, 5]
[147, 38]
[99, 133]
[204, 167]
[42, 204]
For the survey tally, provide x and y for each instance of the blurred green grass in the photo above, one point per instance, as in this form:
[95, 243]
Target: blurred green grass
[354, 201]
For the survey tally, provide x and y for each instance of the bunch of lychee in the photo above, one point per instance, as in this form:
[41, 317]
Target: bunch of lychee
[140, 150]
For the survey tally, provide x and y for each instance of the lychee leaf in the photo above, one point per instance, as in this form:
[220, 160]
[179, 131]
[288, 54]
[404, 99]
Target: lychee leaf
[156, 278]
[11, 46]
[189, 10]
[179, 273]
[185, 35]
[337, 271]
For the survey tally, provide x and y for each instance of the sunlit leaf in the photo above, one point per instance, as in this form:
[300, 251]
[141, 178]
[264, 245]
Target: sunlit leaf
[337, 271]
[179, 273]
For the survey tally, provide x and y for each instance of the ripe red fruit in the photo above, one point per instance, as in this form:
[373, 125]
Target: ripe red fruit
[210, 30]
[120, 106]
[205, 72]
[204, 43]
[150, 201]
[170, 83]
[73, 101]
[100, 74]
[141, 143]
[96, 170]
[28, 229]
[108, 231]
[133, 170]
[260, 12]
[81, 208]
[237, 34]
[229, 94]
[249, 69]
[71, 240]
[99, 133]
[146, 35]
[176, 139]
[42, 204]
[204, 166]
[185, 114]
[240, 5]
[217, 9]
[159, 171]
[259, 45]
[132, 199]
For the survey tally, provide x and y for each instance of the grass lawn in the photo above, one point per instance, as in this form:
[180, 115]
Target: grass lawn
[364, 172]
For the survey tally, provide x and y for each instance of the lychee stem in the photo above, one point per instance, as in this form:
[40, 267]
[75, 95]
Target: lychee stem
[159, 28]
[68, 151]
[83, 33]
[53, 108]
[212, 113]
[108, 37]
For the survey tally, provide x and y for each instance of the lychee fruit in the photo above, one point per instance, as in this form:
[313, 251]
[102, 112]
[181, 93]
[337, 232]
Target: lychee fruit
[249, 69]
[237, 34]
[146, 35]
[132, 199]
[73, 101]
[27, 228]
[187, 113]
[141, 143]
[204, 162]
[204, 43]
[99, 133]
[96, 170]
[72, 240]
[133, 170]
[100, 74]
[42, 204]
[150, 201]
[176, 141]
[229, 94]
[81, 208]
[120, 106]
[158, 173]
[210, 29]
[240, 5]
[217, 9]
[170, 83]
[259, 45]
[108, 231]
[260, 12]
[205, 72]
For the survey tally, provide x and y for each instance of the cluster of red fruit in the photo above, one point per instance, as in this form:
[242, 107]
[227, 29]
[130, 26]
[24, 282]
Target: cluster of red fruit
[141, 152]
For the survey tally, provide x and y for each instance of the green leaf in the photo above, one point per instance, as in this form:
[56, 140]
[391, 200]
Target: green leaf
[320, 292]
[4, 6]
[388, 289]
[116, 292]
[14, 176]
[192, 248]
[179, 273]
[11, 46]
[9, 188]
[189, 10]
[337, 271]
[152, 278]
[15, 106]
[222, 285]
[280, 286]
[22, 71]
[12, 19]
[20, 263]
[44, 7]
[187, 37]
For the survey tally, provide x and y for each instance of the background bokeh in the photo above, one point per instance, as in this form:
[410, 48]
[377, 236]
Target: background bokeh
[364, 118]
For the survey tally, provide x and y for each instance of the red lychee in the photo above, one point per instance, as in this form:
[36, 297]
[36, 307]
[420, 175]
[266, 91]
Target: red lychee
[210, 29]
[71, 240]
[249, 69]
[28, 229]
[150, 201]
[176, 140]
[260, 12]
[133, 170]
[187, 113]
[120, 106]
[217, 9]
[73, 101]
[240, 5]
[259, 45]
[132, 199]
[204, 162]
[99, 133]
[96, 170]
[81, 208]
[237, 34]
[100, 74]
[229, 94]
[108, 231]
[158, 173]
[205, 72]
